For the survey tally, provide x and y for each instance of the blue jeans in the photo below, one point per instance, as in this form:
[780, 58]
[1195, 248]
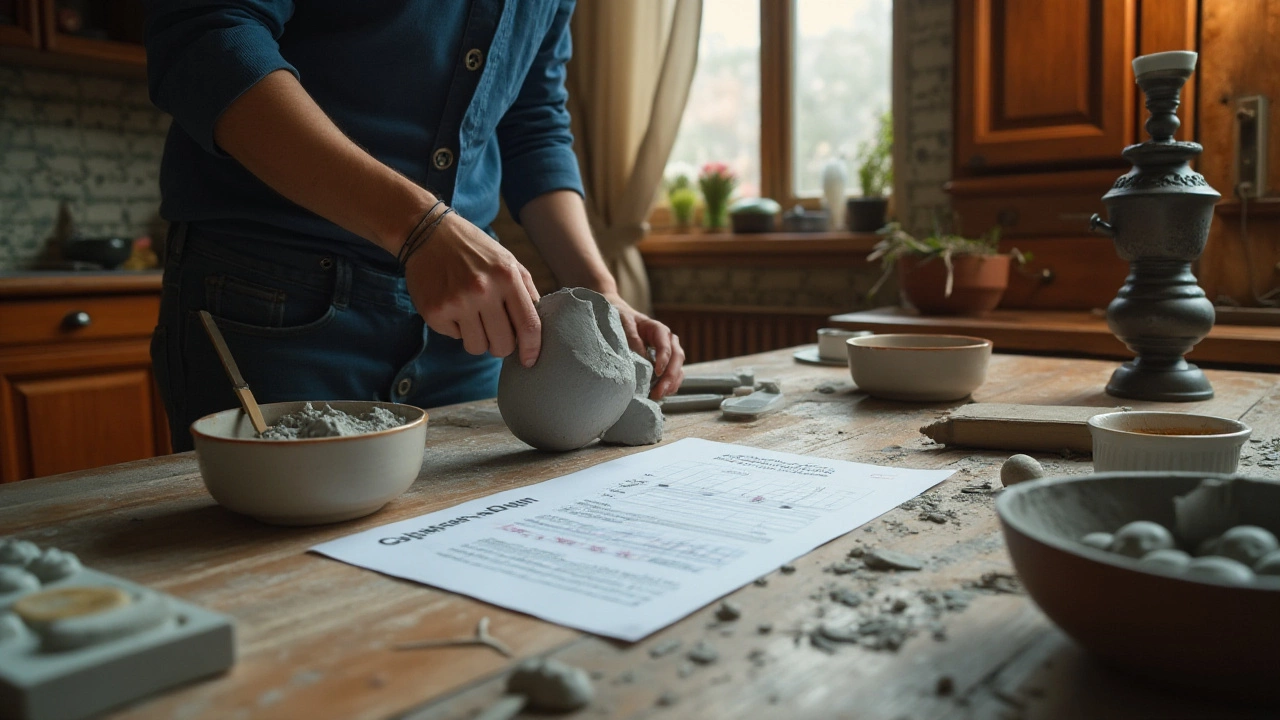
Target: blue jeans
[303, 325]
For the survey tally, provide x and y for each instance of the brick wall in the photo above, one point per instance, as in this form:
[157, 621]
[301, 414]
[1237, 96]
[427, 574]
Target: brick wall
[90, 143]
[930, 34]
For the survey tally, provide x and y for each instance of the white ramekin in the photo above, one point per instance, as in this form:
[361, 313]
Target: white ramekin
[1204, 444]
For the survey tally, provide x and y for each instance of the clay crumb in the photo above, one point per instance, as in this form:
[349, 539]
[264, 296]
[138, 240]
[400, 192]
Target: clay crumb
[728, 611]
[891, 560]
[667, 699]
[845, 567]
[625, 678]
[935, 517]
[551, 685]
[685, 670]
[703, 653]
[998, 582]
[764, 628]
[787, 569]
[845, 596]
[945, 685]
[857, 552]
[664, 648]
[762, 582]
[822, 643]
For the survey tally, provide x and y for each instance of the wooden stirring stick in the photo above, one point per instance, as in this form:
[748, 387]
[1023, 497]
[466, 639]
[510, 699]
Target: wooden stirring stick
[238, 384]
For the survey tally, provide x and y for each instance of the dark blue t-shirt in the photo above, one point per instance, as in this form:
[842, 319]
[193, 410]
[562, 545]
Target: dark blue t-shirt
[464, 98]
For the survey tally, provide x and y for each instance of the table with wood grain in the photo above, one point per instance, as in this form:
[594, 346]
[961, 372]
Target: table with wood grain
[315, 638]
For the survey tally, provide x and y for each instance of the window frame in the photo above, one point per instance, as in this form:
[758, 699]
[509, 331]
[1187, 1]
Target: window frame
[777, 62]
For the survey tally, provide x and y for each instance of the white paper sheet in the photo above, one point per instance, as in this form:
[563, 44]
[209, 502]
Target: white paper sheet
[630, 546]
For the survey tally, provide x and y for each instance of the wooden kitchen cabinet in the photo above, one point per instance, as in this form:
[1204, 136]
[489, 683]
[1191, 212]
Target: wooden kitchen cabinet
[19, 23]
[76, 387]
[100, 36]
[1045, 102]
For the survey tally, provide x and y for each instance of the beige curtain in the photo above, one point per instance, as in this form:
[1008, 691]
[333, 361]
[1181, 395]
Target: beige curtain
[628, 81]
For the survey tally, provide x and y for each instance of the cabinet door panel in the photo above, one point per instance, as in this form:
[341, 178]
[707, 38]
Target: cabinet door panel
[1043, 82]
[86, 421]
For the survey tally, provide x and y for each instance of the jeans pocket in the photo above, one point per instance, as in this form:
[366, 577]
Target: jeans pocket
[255, 308]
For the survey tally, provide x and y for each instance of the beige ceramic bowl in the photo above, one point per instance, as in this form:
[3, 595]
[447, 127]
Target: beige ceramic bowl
[311, 480]
[1166, 441]
[1180, 632]
[920, 368]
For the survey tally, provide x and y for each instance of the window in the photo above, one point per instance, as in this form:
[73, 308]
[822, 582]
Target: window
[783, 87]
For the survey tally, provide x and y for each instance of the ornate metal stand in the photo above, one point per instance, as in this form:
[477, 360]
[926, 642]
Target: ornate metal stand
[1159, 219]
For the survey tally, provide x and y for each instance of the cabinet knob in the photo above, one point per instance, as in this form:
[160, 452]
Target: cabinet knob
[76, 319]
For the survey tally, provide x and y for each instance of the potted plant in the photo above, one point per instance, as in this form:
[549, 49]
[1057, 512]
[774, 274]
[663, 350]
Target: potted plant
[875, 172]
[681, 197]
[717, 182]
[946, 274]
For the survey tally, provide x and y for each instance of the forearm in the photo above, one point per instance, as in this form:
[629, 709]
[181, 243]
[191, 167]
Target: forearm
[556, 223]
[281, 136]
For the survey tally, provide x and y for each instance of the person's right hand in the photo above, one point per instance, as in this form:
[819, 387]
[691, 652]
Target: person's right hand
[469, 287]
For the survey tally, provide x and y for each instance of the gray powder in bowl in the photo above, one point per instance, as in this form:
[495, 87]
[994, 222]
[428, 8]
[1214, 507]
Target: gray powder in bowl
[327, 422]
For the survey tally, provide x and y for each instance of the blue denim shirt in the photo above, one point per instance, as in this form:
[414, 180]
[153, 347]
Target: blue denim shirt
[463, 98]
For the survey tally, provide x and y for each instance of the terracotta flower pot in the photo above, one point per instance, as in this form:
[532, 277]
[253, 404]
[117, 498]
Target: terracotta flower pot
[978, 283]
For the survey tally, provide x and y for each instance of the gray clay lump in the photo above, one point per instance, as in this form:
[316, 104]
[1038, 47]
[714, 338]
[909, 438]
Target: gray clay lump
[586, 384]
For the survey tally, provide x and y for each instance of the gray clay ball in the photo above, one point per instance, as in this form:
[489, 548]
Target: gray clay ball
[1246, 543]
[54, 564]
[1269, 564]
[1219, 569]
[1100, 540]
[551, 685]
[1165, 560]
[17, 552]
[15, 579]
[1020, 468]
[1141, 537]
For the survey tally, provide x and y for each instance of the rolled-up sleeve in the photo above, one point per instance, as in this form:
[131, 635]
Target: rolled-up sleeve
[533, 135]
[202, 55]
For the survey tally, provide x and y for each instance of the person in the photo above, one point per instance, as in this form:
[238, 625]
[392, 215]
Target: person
[330, 178]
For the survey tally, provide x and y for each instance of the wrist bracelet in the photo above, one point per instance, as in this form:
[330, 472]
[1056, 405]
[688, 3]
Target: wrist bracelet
[411, 246]
[403, 254]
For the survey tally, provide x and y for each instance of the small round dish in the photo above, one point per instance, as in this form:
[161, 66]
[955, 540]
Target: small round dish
[1176, 631]
[308, 481]
[919, 368]
[809, 355]
[1148, 440]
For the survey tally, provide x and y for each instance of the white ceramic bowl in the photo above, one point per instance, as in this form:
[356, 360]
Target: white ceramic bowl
[1166, 441]
[308, 481]
[919, 368]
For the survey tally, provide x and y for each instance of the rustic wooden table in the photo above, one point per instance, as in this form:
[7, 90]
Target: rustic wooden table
[315, 636]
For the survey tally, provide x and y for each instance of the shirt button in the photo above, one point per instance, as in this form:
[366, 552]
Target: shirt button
[404, 386]
[443, 159]
[474, 59]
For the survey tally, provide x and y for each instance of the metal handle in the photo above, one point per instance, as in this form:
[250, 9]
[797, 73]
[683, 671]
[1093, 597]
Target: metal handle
[1100, 226]
[76, 319]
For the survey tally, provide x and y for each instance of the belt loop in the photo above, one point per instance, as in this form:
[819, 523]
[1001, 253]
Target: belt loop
[342, 279]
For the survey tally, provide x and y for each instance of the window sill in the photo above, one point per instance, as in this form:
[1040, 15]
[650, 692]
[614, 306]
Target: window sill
[781, 249]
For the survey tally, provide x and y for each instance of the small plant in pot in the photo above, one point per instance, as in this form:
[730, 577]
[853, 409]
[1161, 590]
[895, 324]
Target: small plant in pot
[681, 197]
[875, 173]
[946, 274]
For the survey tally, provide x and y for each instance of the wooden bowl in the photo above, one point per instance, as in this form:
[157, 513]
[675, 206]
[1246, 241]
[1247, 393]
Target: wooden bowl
[1187, 633]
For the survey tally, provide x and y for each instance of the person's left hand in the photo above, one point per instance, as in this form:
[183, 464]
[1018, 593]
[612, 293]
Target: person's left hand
[643, 332]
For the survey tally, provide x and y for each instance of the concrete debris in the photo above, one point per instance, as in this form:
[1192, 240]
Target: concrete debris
[664, 648]
[891, 560]
[703, 653]
[728, 611]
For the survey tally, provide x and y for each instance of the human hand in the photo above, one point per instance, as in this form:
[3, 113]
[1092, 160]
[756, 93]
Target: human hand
[467, 286]
[643, 332]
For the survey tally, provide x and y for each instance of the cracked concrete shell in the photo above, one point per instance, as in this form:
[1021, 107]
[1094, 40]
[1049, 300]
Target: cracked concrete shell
[584, 378]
